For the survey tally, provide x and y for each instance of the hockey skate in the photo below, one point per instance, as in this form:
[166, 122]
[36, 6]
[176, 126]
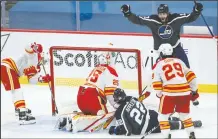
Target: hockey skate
[16, 112]
[192, 135]
[169, 136]
[25, 116]
[64, 123]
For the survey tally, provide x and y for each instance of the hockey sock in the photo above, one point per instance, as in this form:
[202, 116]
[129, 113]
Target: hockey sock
[18, 99]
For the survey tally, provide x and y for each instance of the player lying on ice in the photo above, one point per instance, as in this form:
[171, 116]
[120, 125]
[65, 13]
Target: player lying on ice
[28, 64]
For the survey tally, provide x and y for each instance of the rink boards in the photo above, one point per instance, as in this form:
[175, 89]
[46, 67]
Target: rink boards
[201, 51]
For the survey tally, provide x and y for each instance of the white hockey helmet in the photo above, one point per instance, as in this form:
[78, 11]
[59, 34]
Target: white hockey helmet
[105, 58]
[166, 49]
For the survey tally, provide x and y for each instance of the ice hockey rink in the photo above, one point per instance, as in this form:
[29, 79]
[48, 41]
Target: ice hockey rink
[38, 99]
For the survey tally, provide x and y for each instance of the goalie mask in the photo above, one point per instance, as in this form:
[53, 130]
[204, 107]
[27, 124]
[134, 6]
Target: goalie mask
[106, 58]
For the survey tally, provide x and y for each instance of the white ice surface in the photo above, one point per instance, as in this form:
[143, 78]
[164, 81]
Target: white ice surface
[38, 99]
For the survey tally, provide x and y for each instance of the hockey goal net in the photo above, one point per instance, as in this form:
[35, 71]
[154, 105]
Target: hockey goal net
[70, 66]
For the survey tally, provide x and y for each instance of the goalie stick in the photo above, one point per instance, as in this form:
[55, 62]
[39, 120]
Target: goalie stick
[149, 132]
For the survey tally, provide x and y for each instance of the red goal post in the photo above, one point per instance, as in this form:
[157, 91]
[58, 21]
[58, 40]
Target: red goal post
[79, 49]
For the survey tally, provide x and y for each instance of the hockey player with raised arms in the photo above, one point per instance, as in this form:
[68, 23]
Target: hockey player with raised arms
[28, 64]
[134, 118]
[175, 84]
[165, 26]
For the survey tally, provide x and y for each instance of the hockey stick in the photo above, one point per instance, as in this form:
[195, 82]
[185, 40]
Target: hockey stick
[52, 96]
[211, 33]
[149, 132]
[144, 95]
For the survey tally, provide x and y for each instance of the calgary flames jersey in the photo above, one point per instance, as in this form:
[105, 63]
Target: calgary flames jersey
[104, 78]
[172, 77]
[28, 59]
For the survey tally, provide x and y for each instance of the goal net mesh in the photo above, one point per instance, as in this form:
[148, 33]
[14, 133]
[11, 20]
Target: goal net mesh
[70, 66]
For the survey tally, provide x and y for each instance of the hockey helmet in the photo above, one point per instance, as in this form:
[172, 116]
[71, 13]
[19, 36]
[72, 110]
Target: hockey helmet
[107, 57]
[165, 50]
[104, 58]
[119, 95]
[163, 8]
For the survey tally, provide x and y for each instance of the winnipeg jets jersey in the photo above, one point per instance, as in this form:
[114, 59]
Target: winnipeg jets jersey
[104, 78]
[173, 78]
[132, 116]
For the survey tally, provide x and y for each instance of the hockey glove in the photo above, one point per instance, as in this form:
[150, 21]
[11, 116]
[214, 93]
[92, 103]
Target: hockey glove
[112, 130]
[198, 7]
[30, 72]
[126, 10]
[44, 79]
[119, 130]
[194, 96]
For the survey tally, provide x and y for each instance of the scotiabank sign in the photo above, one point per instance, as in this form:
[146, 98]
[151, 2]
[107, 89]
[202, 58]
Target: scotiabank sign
[90, 59]
[204, 66]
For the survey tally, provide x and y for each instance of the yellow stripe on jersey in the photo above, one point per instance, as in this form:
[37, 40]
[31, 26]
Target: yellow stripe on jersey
[190, 76]
[109, 90]
[20, 104]
[161, 104]
[187, 123]
[177, 88]
[164, 125]
[10, 79]
[11, 63]
[157, 85]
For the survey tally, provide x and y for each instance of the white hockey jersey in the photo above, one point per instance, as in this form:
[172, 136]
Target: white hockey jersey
[27, 59]
[172, 77]
[105, 79]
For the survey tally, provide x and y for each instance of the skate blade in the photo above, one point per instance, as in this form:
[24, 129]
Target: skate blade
[27, 122]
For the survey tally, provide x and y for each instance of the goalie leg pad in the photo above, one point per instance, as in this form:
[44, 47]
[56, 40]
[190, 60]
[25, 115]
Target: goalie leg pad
[83, 123]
